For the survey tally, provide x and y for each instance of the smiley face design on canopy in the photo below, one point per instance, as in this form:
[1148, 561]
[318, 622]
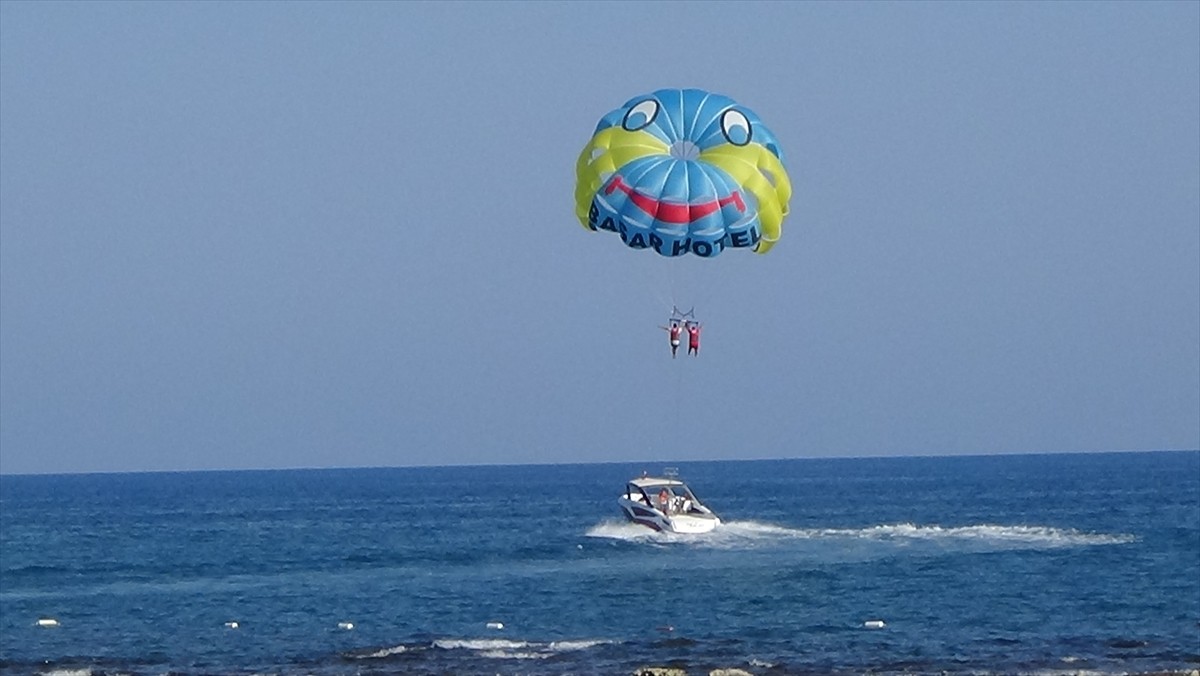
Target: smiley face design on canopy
[683, 171]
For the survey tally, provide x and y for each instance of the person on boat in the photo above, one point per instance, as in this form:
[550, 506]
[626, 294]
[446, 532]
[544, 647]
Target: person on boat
[685, 504]
[673, 332]
[664, 500]
[693, 329]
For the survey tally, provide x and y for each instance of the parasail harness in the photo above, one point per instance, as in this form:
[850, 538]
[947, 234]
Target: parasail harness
[678, 316]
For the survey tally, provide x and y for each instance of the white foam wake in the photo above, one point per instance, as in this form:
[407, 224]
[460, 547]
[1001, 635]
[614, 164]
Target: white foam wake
[1027, 535]
[734, 534]
[622, 530]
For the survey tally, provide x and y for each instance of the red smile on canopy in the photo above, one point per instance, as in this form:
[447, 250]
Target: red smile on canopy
[673, 212]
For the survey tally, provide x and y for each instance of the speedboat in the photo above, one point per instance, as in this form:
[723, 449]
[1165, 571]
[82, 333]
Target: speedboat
[666, 504]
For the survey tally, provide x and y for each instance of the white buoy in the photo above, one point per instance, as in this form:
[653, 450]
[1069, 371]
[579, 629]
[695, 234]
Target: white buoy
[874, 624]
[495, 625]
[47, 622]
[231, 625]
[345, 625]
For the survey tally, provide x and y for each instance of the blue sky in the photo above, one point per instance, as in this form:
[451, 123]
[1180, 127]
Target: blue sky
[259, 235]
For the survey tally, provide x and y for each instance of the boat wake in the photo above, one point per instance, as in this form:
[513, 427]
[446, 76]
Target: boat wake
[982, 537]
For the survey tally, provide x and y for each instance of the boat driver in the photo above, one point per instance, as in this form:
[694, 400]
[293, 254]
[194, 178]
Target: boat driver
[664, 500]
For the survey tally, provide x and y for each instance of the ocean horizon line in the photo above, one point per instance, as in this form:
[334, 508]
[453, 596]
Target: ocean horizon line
[654, 462]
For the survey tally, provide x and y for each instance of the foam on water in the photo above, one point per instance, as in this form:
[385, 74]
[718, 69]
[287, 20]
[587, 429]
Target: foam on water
[622, 530]
[513, 655]
[490, 648]
[516, 650]
[386, 652]
[478, 644]
[735, 534]
[1042, 536]
[1070, 672]
[568, 646]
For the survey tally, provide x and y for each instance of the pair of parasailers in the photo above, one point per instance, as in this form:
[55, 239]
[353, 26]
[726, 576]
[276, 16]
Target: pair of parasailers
[675, 329]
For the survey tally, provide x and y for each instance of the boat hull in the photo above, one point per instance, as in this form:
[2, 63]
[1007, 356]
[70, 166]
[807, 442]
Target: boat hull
[668, 523]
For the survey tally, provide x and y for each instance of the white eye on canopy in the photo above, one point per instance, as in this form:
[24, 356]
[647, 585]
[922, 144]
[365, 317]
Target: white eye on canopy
[736, 127]
[641, 115]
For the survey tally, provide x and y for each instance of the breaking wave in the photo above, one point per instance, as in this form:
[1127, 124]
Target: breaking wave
[383, 653]
[489, 648]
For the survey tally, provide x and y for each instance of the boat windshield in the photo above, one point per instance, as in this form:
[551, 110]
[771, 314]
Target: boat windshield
[653, 489]
[671, 499]
[678, 490]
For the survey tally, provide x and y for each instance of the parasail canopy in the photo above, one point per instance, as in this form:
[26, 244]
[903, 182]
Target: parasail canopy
[683, 171]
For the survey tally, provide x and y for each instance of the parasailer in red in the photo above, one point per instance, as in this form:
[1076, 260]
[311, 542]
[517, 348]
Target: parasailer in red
[693, 329]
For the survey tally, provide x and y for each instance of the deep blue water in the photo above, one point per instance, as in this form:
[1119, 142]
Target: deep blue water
[1032, 563]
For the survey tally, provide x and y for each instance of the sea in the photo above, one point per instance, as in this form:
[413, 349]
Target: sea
[1017, 564]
